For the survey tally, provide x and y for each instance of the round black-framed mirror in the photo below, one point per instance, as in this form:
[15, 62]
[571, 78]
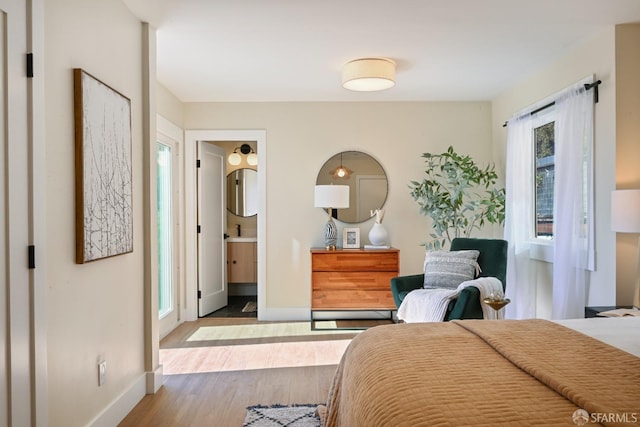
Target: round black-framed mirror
[367, 181]
[242, 192]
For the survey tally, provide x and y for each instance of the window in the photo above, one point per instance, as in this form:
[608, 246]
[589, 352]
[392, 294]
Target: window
[165, 230]
[543, 141]
[544, 144]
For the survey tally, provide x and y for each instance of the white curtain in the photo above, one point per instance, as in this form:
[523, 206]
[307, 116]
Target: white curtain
[573, 239]
[521, 284]
[573, 201]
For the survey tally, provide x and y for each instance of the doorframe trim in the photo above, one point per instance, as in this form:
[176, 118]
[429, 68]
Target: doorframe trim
[35, 44]
[191, 139]
[170, 133]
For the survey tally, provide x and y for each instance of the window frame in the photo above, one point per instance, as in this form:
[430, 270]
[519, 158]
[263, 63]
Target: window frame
[173, 294]
[541, 248]
[544, 117]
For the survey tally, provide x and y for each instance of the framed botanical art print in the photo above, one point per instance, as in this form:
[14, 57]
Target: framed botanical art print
[351, 238]
[104, 199]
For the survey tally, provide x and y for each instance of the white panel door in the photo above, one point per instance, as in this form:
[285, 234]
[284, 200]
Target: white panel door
[212, 218]
[16, 352]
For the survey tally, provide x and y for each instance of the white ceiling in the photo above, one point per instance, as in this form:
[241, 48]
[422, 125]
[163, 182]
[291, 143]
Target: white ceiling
[293, 50]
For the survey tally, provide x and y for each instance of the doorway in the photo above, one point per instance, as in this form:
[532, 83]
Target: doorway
[211, 227]
[192, 139]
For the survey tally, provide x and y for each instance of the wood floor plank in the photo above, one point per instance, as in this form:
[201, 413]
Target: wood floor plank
[212, 374]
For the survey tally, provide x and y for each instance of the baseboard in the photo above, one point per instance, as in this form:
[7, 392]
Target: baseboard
[304, 314]
[154, 380]
[243, 289]
[352, 315]
[115, 412]
[284, 314]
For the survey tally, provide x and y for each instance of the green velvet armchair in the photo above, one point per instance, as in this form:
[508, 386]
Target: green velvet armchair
[493, 263]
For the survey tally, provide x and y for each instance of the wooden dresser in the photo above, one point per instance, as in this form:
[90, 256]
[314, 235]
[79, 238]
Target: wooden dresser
[353, 279]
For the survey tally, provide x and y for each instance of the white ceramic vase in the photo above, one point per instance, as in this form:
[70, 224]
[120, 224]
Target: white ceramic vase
[378, 235]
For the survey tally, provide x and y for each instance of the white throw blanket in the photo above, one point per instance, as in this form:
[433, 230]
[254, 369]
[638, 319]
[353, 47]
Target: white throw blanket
[430, 305]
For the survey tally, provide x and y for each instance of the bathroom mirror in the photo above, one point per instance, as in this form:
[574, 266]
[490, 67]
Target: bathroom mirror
[242, 192]
[367, 181]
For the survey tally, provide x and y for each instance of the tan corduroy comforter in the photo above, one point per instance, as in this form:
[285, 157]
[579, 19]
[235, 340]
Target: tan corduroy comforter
[482, 373]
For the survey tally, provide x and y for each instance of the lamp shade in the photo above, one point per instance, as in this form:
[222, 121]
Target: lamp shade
[252, 159]
[234, 159]
[625, 211]
[331, 196]
[369, 74]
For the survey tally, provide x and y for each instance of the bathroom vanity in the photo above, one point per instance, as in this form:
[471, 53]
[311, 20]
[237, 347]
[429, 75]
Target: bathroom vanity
[242, 260]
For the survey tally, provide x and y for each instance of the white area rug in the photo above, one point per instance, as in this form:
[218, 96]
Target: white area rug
[279, 415]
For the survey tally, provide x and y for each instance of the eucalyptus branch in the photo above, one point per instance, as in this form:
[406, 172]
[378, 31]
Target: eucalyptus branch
[458, 196]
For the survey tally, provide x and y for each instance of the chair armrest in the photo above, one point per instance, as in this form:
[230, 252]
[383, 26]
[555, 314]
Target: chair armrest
[404, 284]
[467, 305]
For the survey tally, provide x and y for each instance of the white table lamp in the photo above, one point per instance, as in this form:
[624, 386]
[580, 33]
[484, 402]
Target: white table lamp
[331, 197]
[625, 218]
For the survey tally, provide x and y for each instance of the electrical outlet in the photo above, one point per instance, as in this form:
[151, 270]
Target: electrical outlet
[102, 372]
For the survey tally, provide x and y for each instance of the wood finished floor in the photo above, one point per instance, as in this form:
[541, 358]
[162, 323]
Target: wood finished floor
[215, 367]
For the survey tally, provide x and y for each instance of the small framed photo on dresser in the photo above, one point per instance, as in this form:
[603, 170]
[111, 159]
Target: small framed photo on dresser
[351, 238]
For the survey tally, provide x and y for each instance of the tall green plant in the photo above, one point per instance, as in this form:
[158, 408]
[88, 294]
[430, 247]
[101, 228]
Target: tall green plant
[458, 195]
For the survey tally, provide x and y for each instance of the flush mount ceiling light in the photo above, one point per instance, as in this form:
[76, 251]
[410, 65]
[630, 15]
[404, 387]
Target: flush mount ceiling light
[235, 158]
[369, 74]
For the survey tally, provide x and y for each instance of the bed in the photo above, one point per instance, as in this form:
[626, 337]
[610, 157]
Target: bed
[490, 373]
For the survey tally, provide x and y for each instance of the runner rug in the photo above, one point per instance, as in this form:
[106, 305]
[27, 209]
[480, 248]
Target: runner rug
[280, 415]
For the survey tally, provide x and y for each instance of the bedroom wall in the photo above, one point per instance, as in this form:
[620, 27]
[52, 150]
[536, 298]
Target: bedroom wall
[95, 310]
[627, 149]
[169, 106]
[594, 56]
[302, 136]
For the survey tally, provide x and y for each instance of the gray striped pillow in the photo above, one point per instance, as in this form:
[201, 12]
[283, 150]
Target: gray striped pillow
[444, 269]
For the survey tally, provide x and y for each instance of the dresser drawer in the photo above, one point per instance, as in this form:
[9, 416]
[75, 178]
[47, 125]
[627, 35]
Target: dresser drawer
[347, 280]
[343, 280]
[354, 261]
[352, 300]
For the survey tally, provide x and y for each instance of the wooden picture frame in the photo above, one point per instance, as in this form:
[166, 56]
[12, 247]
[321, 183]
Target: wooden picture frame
[103, 169]
[351, 238]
